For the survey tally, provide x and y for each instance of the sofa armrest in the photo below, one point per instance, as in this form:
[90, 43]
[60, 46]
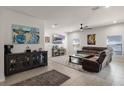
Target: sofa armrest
[90, 65]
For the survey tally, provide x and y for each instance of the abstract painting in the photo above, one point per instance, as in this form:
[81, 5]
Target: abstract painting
[58, 39]
[25, 34]
[91, 39]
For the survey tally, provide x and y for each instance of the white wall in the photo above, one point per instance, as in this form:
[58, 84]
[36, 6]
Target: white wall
[2, 78]
[10, 18]
[70, 37]
[101, 36]
[7, 18]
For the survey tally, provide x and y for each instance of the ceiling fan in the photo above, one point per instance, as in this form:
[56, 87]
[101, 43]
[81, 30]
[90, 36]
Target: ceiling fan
[82, 28]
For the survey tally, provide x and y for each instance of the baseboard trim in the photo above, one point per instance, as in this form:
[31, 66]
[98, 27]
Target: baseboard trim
[2, 79]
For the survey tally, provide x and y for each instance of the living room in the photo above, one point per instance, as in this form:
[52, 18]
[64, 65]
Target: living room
[88, 44]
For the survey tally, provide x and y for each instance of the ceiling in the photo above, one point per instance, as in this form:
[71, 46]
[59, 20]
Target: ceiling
[69, 18]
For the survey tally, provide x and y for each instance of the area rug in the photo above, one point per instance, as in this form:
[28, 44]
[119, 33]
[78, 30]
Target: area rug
[64, 60]
[50, 78]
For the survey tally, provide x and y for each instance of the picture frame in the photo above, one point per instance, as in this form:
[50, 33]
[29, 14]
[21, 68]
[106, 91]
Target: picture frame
[47, 39]
[58, 39]
[91, 39]
[25, 34]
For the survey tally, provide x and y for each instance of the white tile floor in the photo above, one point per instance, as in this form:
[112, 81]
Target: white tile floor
[111, 75]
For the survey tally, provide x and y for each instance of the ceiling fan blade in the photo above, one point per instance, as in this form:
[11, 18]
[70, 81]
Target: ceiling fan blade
[84, 27]
[87, 28]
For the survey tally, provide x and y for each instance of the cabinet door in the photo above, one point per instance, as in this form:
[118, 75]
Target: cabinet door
[44, 58]
[13, 64]
[36, 59]
[10, 65]
[26, 62]
[39, 58]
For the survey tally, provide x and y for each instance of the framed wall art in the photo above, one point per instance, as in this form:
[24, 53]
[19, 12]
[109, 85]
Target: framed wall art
[91, 39]
[25, 34]
[58, 39]
[47, 39]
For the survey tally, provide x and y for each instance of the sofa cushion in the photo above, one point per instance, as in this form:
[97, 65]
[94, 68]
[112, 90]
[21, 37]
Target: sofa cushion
[94, 48]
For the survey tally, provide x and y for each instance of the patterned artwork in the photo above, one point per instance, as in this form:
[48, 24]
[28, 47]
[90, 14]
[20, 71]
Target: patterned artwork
[91, 39]
[25, 34]
[47, 39]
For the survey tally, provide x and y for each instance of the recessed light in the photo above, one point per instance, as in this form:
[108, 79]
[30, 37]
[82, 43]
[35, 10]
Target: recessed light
[114, 22]
[54, 25]
[107, 6]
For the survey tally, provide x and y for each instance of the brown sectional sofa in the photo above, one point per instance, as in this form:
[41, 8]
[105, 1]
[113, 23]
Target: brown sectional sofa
[102, 57]
[91, 50]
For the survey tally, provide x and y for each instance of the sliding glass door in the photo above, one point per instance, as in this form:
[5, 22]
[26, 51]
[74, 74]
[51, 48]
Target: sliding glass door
[116, 43]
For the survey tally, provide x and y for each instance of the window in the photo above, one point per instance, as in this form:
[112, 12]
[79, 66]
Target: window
[116, 43]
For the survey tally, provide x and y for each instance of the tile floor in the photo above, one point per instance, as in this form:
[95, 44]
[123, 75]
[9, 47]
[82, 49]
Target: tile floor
[111, 75]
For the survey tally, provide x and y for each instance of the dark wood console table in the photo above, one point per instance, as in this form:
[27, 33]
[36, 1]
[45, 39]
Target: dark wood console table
[19, 62]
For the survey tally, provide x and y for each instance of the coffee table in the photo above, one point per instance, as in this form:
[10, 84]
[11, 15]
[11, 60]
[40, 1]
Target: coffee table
[77, 58]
